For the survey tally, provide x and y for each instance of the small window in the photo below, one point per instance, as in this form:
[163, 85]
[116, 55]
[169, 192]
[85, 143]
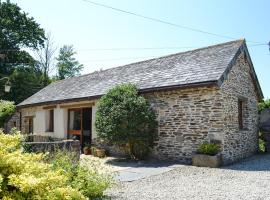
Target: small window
[30, 125]
[240, 114]
[50, 121]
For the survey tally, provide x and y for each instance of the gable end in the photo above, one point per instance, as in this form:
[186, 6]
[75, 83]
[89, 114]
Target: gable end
[243, 49]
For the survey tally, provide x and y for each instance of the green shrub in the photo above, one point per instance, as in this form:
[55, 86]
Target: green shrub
[86, 179]
[264, 104]
[123, 117]
[139, 149]
[261, 146]
[90, 183]
[7, 108]
[208, 149]
[27, 176]
[56, 176]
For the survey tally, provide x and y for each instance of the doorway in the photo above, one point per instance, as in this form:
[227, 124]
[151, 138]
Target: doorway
[80, 125]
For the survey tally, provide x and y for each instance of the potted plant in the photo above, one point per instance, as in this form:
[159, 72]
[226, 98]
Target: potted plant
[100, 152]
[93, 151]
[87, 149]
[207, 156]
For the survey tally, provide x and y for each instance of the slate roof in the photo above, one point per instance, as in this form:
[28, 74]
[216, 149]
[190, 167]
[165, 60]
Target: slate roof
[195, 67]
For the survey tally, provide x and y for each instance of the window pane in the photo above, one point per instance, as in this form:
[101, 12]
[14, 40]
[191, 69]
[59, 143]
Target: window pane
[75, 120]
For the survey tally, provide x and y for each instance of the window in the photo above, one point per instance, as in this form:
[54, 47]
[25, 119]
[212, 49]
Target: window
[30, 125]
[240, 114]
[50, 121]
[75, 119]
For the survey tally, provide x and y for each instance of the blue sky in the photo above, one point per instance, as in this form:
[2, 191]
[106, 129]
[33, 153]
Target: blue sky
[90, 27]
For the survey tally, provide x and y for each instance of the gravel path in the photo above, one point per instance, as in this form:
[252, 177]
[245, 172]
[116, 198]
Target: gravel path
[249, 179]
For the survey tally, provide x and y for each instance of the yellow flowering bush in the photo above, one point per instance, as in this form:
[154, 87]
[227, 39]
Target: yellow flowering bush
[31, 176]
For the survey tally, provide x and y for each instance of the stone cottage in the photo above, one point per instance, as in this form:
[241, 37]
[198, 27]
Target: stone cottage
[207, 94]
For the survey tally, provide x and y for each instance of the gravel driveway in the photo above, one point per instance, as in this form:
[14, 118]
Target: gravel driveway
[249, 179]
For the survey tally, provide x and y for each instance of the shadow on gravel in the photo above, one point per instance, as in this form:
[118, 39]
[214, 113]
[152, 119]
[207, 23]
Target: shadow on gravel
[124, 162]
[259, 162]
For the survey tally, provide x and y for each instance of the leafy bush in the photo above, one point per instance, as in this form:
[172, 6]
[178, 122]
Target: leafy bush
[139, 149]
[264, 104]
[125, 117]
[261, 146]
[208, 149]
[86, 178]
[7, 108]
[90, 183]
[26, 176]
[43, 176]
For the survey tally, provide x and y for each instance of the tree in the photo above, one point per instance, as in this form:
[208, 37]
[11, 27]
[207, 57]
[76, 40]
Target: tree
[17, 31]
[45, 58]
[7, 108]
[67, 65]
[25, 81]
[125, 117]
[264, 105]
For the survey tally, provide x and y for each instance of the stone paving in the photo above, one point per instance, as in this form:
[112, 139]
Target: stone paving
[128, 170]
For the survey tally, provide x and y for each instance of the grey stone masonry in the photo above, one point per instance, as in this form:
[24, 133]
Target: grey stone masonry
[239, 143]
[12, 122]
[64, 145]
[188, 117]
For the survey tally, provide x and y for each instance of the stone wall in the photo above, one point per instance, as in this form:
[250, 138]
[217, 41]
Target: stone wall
[40, 138]
[237, 143]
[188, 117]
[42, 147]
[12, 122]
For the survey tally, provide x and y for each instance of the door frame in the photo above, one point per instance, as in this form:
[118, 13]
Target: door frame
[78, 132]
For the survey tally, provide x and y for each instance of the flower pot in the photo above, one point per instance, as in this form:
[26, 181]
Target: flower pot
[100, 153]
[87, 151]
[202, 160]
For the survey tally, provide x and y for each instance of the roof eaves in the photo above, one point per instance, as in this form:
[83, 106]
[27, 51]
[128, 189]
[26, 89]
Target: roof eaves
[141, 91]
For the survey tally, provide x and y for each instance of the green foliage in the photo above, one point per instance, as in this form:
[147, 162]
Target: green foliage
[90, 182]
[25, 81]
[7, 108]
[139, 149]
[26, 176]
[125, 117]
[208, 149]
[87, 146]
[264, 104]
[18, 30]
[40, 176]
[261, 146]
[67, 65]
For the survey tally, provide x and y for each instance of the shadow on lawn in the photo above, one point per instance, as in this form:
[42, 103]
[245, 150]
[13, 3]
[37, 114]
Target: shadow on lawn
[259, 162]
